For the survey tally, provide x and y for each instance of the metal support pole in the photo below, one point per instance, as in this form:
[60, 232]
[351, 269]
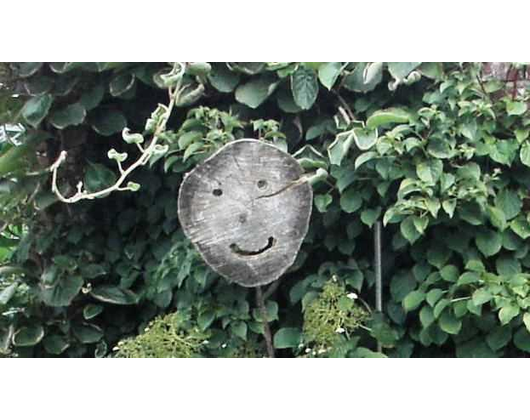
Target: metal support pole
[378, 272]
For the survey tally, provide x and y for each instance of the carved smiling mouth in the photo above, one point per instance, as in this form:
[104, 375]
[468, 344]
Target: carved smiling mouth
[247, 253]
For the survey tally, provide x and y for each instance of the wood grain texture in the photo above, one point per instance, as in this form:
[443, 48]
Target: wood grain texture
[247, 210]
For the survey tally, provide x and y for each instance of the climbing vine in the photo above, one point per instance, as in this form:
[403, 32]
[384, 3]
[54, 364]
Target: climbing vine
[439, 153]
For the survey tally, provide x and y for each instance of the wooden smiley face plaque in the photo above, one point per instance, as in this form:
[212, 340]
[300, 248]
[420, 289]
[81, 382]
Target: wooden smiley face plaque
[246, 209]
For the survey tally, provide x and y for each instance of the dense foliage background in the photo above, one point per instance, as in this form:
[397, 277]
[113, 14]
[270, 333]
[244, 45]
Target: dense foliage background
[438, 152]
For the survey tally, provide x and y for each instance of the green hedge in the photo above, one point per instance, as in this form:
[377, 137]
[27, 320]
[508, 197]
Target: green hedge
[439, 153]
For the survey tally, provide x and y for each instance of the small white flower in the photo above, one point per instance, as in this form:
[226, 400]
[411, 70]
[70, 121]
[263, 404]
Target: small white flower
[339, 330]
[115, 348]
[223, 346]
[320, 351]
[308, 350]
[352, 296]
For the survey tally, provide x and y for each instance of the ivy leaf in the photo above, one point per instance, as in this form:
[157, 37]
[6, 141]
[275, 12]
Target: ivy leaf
[521, 227]
[497, 217]
[481, 296]
[440, 149]
[408, 230]
[27, 69]
[55, 344]
[509, 202]
[449, 207]
[8, 293]
[328, 74]
[499, 337]
[115, 295]
[449, 323]
[93, 97]
[121, 84]
[524, 153]
[370, 216]
[255, 92]
[62, 292]
[440, 306]
[381, 331]
[363, 158]
[351, 200]
[304, 85]
[28, 336]
[516, 108]
[364, 139]
[413, 300]
[222, 78]
[87, 333]
[36, 109]
[401, 70]
[387, 116]
[107, 123]
[426, 316]
[239, 329]
[340, 147]
[430, 171]
[91, 311]
[357, 82]
[468, 278]
[287, 338]
[71, 115]
[508, 266]
[322, 201]
[449, 273]
[488, 242]
[507, 313]
[434, 296]
[521, 339]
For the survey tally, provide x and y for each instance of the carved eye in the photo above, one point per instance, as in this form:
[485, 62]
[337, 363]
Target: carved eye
[217, 192]
[262, 184]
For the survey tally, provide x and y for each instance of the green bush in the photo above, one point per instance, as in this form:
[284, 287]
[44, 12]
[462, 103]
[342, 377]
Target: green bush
[439, 153]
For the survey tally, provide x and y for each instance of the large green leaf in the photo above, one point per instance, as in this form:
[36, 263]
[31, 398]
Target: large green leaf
[304, 85]
[430, 171]
[62, 292]
[115, 295]
[401, 70]
[256, 91]
[56, 344]
[413, 300]
[328, 73]
[7, 293]
[87, 333]
[222, 78]
[109, 122]
[71, 115]
[357, 80]
[509, 202]
[364, 139]
[287, 338]
[387, 116]
[28, 336]
[36, 109]
[488, 242]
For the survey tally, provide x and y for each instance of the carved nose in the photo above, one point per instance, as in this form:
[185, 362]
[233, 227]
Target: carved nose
[242, 218]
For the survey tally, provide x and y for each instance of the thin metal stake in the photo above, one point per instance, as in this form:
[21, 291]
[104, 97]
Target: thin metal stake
[378, 272]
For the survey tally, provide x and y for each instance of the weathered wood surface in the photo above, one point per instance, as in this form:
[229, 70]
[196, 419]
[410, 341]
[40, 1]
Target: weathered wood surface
[247, 210]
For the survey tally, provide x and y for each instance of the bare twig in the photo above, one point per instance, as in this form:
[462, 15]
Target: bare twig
[174, 94]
